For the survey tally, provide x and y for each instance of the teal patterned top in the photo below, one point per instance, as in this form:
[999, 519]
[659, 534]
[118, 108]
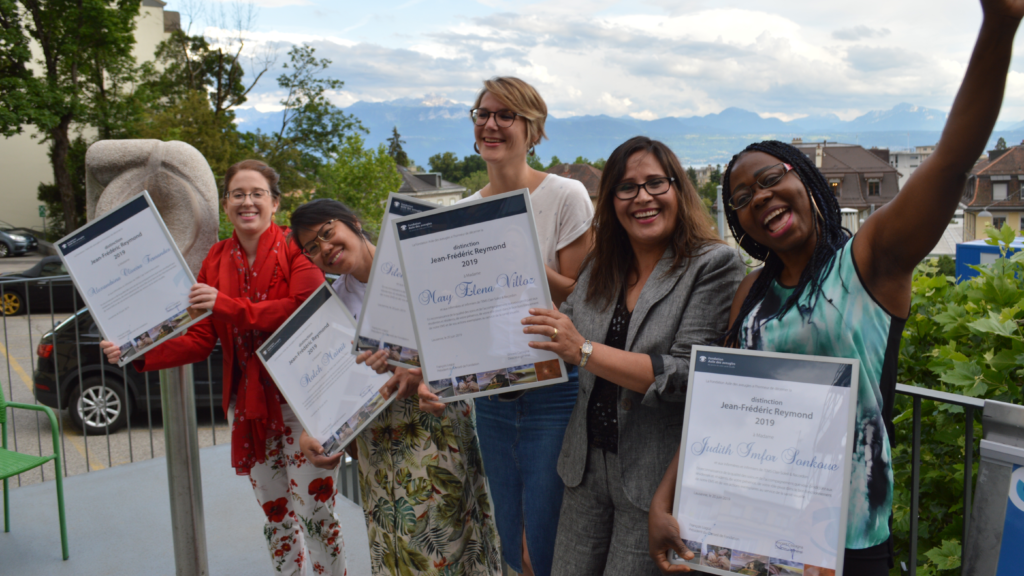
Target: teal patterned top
[846, 322]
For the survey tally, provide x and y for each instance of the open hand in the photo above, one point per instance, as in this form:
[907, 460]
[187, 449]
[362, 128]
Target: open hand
[314, 452]
[202, 297]
[565, 339]
[111, 351]
[663, 534]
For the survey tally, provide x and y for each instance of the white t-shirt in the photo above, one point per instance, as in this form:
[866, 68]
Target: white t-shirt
[563, 211]
[351, 292]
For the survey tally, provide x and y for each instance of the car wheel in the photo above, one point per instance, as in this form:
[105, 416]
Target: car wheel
[97, 408]
[5, 250]
[13, 304]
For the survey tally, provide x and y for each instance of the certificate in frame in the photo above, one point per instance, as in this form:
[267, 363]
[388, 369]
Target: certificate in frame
[309, 357]
[385, 322]
[471, 272]
[132, 276]
[765, 459]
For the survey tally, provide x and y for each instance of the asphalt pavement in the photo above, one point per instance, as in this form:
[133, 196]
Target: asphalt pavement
[29, 431]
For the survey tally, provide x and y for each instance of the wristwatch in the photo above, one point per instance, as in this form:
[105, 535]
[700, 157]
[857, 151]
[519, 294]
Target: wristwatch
[586, 349]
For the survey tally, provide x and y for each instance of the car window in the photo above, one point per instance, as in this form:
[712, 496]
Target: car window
[52, 269]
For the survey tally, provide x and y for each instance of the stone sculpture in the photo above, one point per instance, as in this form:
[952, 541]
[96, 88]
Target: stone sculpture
[179, 181]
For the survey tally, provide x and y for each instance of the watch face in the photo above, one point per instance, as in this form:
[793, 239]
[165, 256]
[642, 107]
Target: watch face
[587, 347]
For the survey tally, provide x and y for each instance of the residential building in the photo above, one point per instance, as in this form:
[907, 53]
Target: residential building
[430, 187]
[25, 157]
[993, 193]
[585, 173]
[704, 174]
[906, 161]
[859, 178]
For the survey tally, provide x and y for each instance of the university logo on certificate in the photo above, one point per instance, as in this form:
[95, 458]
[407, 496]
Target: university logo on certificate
[310, 359]
[764, 462]
[132, 277]
[472, 272]
[385, 322]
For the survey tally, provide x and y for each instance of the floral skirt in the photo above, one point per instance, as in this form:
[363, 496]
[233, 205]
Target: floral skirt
[424, 493]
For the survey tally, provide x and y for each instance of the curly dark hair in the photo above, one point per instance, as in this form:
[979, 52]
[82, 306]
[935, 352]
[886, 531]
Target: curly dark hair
[828, 225]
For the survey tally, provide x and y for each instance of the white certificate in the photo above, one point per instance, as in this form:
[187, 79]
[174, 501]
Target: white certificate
[310, 359]
[385, 322]
[765, 458]
[132, 277]
[472, 272]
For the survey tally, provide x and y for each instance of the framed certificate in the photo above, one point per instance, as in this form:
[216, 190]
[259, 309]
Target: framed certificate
[764, 462]
[385, 322]
[310, 359]
[472, 272]
[132, 277]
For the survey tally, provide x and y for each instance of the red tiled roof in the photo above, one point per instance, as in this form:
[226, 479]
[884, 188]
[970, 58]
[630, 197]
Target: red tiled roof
[585, 173]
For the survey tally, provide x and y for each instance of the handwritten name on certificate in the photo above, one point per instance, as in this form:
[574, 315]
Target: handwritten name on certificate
[132, 277]
[472, 272]
[310, 359]
[385, 322]
[765, 460]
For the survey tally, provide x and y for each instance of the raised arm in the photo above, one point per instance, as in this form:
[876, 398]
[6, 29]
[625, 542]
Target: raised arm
[895, 239]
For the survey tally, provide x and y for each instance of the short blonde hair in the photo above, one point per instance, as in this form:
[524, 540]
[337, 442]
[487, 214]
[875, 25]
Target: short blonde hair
[522, 99]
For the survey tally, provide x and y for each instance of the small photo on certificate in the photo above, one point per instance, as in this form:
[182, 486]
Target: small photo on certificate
[472, 272]
[132, 277]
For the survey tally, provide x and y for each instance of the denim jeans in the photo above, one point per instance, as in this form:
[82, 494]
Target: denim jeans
[520, 442]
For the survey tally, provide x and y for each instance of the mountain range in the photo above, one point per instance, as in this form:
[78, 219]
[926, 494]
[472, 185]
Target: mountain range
[431, 125]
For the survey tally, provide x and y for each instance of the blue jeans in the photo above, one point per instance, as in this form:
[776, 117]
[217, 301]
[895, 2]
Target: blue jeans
[520, 441]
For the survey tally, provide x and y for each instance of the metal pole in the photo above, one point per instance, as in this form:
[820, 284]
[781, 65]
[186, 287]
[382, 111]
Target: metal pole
[721, 213]
[177, 394]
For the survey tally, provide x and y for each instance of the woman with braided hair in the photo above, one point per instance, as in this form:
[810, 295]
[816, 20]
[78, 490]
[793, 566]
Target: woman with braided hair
[822, 293]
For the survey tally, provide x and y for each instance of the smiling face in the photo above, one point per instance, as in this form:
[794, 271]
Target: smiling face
[500, 145]
[649, 221]
[249, 217]
[779, 217]
[344, 252]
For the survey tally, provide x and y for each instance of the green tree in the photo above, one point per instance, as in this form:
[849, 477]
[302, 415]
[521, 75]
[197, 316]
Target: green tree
[395, 148]
[692, 175]
[446, 164]
[708, 194]
[716, 175]
[87, 70]
[50, 196]
[361, 178]
[581, 160]
[534, 162]
[192, 120]
[473, 163]
[599, 163]
[554, 162]
[475, 181]
[968, 339]
[1001, 144]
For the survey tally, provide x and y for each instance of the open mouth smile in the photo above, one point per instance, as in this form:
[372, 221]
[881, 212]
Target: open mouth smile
[645, 216]
[778, 220]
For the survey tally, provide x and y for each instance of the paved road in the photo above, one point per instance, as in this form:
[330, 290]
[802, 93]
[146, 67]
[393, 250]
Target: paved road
[29, 431]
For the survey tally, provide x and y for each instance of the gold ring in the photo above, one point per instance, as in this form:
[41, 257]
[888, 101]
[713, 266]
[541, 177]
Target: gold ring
[555, 334]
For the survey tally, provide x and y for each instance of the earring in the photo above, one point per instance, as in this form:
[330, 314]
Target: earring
[476, 148]
[815, 204]
[533, 151]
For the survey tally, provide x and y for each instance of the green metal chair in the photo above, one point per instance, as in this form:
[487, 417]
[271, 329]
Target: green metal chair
[14, 463]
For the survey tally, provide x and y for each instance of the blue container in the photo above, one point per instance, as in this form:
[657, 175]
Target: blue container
[978, 252]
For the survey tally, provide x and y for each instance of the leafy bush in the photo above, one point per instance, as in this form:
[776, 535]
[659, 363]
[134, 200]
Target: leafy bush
[967, 339]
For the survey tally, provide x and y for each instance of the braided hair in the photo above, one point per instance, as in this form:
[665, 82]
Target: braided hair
[828, 225]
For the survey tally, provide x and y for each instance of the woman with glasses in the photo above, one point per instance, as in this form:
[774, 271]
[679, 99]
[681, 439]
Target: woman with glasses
[252, 282]
[521, 433]
[823, 293]
[657, 281]
[422, 486]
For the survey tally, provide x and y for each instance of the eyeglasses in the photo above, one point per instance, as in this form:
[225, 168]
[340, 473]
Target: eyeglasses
[654, 187]
[768, 177]
[324, 234]
[503, 118]
[238, 196]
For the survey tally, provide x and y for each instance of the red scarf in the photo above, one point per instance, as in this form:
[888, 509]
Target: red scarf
[257, 403]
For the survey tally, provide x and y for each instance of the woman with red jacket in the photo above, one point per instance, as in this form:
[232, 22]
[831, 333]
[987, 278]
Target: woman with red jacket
[253, 282]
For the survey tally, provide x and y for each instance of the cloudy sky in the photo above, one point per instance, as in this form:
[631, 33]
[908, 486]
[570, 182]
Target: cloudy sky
[643, 58]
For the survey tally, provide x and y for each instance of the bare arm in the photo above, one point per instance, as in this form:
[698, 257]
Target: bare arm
[895, 239]
[569, 260]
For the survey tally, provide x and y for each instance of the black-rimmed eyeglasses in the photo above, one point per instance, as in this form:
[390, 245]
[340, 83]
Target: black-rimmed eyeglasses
[654, 187]
[503, 118]
[324, 234]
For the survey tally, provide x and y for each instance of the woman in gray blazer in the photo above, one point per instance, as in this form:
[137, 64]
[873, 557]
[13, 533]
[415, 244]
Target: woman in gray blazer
[657, 282]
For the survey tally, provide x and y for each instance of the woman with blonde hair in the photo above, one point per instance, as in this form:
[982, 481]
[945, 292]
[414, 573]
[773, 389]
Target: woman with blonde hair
[521, 432]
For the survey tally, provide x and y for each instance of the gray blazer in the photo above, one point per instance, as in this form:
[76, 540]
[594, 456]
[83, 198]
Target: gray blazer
[675, 311]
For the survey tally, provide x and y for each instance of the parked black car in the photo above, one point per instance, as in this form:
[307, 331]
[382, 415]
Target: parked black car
[15, 241]
[104, 394]
[20, 291]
